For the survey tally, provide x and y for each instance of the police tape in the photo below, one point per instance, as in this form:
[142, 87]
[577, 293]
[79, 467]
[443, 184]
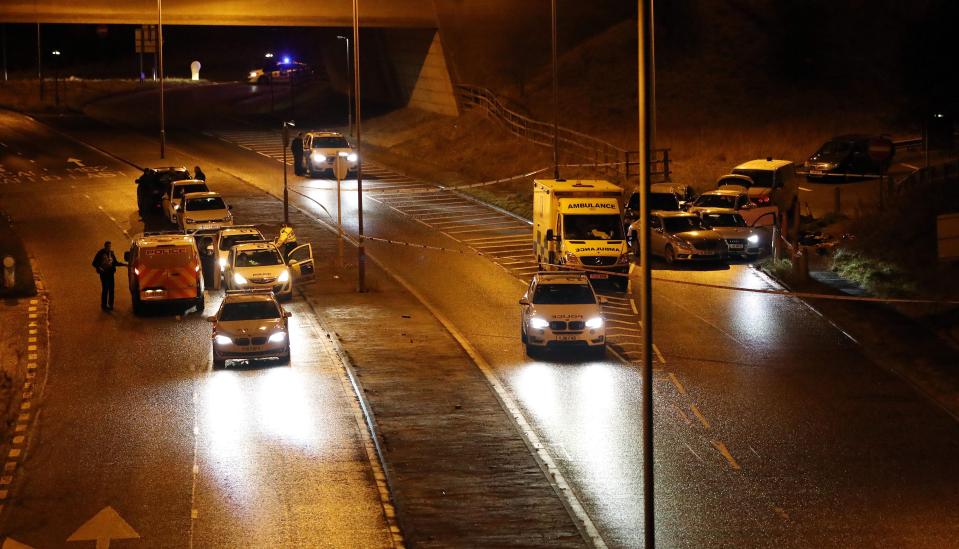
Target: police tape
[561, 267]
[454, 188]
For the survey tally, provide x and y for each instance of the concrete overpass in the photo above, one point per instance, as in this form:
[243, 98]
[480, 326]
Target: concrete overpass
[318, 13]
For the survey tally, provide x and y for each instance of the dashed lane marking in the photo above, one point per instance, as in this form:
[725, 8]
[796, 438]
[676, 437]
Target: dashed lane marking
[733, 464]
[699, 415]
[677, 384]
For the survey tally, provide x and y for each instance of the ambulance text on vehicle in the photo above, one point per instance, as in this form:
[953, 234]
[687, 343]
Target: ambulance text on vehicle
[164, 268]
[578, 224]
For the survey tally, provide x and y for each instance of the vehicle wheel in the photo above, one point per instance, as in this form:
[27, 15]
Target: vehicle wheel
[634, 247]
[312, 172]
[599, 353]
[135, 299]
[200, 301]
[670, 255]
[532, 351]
[219, 363]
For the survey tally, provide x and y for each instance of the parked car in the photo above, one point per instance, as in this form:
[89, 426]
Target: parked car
[667, 201]
[734, 198]
[680, 236]
[173, 197]
[741, 239]
[153, 184]
[843, 157]
[204, 211]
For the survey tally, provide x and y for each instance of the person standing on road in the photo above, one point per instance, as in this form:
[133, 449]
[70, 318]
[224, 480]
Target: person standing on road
[297, 147]
[106, 262]
[198, 174]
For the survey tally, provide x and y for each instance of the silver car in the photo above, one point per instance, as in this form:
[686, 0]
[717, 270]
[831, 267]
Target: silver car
[741, 239]
[250, 325]
[681, 236]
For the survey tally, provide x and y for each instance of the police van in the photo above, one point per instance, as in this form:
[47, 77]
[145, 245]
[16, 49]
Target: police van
[164, 267]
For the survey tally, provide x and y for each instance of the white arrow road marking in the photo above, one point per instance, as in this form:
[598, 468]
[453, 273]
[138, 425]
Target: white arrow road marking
[11, 543]
[77, 161]
[103, 527]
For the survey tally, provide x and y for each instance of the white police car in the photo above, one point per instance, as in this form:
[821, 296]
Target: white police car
[560, 309]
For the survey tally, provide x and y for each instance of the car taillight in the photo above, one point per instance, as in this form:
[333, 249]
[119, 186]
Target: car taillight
[760, 200]
[196, 269]
[136, 271]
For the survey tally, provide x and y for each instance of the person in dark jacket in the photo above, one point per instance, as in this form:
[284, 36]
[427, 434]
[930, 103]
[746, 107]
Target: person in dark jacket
[297, 148]
[198, 174]
[106, 262]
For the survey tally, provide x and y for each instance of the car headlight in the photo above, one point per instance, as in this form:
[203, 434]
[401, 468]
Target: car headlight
[278, 337]
[189, 220]
[239, 279]
[683, 244]
[595, 322]
[284, 276]
[753, 239]
[253, 74]
[222, 340]
[176, 206]
[352, 157]
[538, 323]
[572, 257]
[222, 263]
[318, 157]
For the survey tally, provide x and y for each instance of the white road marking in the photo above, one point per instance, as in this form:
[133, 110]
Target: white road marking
[733, 464]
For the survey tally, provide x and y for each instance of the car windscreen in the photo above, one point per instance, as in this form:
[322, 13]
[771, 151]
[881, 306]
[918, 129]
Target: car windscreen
[330, 143]
[592, 227]
[663, 201]
[257, 258]
[204, 204]
[167, 257]
[835, 148]
[228, 242]
[181, 190]
[682, 224]
[724, 220]
[173, 176]
[249, 310]
[761, 178]
[563, 294]
[716, 201]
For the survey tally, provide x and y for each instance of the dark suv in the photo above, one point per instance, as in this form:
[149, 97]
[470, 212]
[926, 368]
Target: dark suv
[844, 156]
[153, 184]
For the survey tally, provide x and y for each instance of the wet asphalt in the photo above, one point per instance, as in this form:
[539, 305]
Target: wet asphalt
[772, 428]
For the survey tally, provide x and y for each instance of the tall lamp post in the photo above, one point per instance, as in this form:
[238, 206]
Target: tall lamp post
[287, 124]
[555, 93]
[160, 66]
[56, 77]
[360, 250]
[349, 87]
[645, 24]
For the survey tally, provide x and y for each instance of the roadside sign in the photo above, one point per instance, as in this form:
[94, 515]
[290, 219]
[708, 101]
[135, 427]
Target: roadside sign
[947, 231]
[341, 166]
[145, 39]
[881, 149]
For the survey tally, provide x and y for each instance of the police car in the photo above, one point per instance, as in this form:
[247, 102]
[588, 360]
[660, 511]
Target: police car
[560, 309]
[261, 266]
[320, 150]
[228, 237]
[250, 325]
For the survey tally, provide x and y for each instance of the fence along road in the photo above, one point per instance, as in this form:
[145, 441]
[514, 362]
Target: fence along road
[503, 237]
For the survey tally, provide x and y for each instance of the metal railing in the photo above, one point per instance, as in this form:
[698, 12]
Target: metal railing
[584, 148]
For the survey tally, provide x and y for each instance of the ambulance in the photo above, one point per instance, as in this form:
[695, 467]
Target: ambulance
[164, 268]
[578, 225]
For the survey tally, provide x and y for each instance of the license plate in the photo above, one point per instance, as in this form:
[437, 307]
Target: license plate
[815, 172]
[596, 275]
[254, 348]
[566, 338]
[735, 246]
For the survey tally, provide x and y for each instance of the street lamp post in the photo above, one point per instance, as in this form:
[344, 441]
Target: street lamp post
[160, 66]
[555, 93]
[39, 62]
[645, 25]
[56, 77]
[286, 194]
[349, 87]
[360, 250]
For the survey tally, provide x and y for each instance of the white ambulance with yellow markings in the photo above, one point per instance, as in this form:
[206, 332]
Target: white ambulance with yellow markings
[578, 224]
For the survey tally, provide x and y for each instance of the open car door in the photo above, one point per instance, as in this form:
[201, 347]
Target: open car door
[300, 260]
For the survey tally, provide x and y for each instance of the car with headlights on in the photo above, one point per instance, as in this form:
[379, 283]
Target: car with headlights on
[846, 156]
[561, 310]
[250, 325]
[320, 150]
[681, 236]
[283, 70]
[174, 197]
[741, 239]
[261, 266]
[203, 211]
[227, 237]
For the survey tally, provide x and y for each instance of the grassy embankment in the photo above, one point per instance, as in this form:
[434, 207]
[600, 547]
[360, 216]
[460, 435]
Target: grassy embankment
[75, 93]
